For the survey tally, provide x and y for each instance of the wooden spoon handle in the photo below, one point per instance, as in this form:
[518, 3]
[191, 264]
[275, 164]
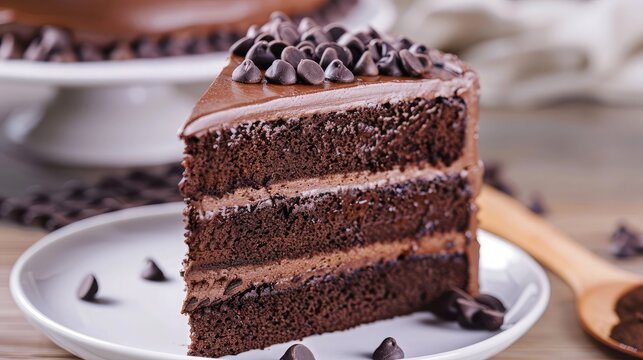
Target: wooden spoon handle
[577, 266]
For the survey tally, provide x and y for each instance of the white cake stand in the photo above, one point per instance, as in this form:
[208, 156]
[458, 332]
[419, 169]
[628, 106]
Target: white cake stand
[120, 114]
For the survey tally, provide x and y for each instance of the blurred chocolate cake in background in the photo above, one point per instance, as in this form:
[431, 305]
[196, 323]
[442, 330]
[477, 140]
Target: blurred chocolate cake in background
[79, 30]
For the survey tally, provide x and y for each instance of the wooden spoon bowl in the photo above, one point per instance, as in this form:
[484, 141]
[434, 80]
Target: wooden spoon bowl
[596, 284]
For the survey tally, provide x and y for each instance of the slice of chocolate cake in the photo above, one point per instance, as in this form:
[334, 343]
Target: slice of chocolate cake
[330, 181]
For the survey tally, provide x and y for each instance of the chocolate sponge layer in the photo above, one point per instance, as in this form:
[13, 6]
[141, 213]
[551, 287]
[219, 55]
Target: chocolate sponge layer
[374, 138]
[291, 227]
[266, 315]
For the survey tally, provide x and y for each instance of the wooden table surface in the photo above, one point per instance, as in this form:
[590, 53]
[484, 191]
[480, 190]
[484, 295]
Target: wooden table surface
[586, 161]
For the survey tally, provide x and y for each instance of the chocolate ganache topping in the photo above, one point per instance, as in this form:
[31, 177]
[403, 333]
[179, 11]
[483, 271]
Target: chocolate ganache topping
[307, 53]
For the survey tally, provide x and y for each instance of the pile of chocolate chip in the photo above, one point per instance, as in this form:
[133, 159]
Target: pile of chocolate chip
[310, 54]
[52, 209]
[480, 312]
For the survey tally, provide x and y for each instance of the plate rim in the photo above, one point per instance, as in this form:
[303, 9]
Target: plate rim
[47, 325]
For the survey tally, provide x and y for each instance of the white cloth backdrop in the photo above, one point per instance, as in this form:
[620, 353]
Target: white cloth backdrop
[530, 52]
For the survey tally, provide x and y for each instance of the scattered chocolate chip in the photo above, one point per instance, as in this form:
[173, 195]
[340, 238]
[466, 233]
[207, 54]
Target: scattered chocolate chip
[419, 49]
[287, 34]
[88, 288]
[282, 73]
[242, 46]
[338, 72]
[315, 35]
[327, 57]
[467, 309]
[445, 305]
[267, 37]
[355, 46]
[343, 53]
[261, 55]
[310, 72]
[292, 55]
[390, 64]
[247, 72]
[536, 205]
[90, 52]
[232, 286]
[306, 24]
[152, 272]
[122, 51]
[491, 302]
[366, 66]
[410, 63]
[298, 352]
[388, 350]
[10, 48]
[625, 242]
[335, 31]
[489, 319]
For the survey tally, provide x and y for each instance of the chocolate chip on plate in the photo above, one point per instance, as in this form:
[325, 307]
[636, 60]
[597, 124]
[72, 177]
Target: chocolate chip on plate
[489, 319]
[247, 72]
[388, 350]
[491, 302]
[242, 46]
[260, 55]
[467, 309]
[365, 65]
[337, 72]
[298, 352]
[310, 72]
[625, 242]
[281, 73]
[88, 288]
[292, 55]
[445, 305]
[152, 272]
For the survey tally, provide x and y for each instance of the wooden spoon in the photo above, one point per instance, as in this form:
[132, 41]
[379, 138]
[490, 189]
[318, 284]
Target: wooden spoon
[597, 284]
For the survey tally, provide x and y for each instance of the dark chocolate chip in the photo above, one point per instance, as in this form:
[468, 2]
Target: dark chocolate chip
[298, 352]
[488, 319]
[287, 34]
[305, 43]
[260, 55]
[355, 46]
[88, 288]
[10, 47]
[247, 72]
[343, 53]
[122, 51]
[378, 48]
[242, 46]
[491, 302]
[365, 65]
[232, 285]
[536, 205]
[282, 73]
[426, 62]
[625, 242]
[315, 35]
[419, 49]
[253, 31]
[390, 64]
[267, 37]
[279, 15]
[410, 63]
[327, 57]
[147, 48]
[90, 52]
[337, 72]
[402, 43]
[467, 309]
[152, 272]
[308, 51]
[374, 34]
[276, 47]
[310, 72]
[363, 37]
[388, 350]
[445, 305]
[335, 31]
[306, 24]
[292, 55]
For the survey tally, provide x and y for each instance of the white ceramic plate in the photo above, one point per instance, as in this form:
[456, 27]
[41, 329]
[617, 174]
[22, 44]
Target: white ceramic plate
[141, 320]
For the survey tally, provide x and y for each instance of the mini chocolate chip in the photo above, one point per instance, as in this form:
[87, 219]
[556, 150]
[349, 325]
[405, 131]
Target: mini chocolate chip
[247, 72]
[282, 73]
[242, 46]
[445, 305]
[536, 205]
[276, 47]
[388, 350]
[355, 46]
[260, 55]
[419, 49]
[365, 65]
[298, 352]
[310, 72]
[267, 37]
[292, 55]
[306, 24]
[491, 302]
[88, 288]
[232, 285]
[90, 52]
[343, 53]
[390, 64]
[152, 272]
[337, 72]
[287, 34]
[10, 48]
[402, 43]
[335, 31]
[488, 319]
[122, 51]
[467, 310]
[410, 63]
[327, 57]
[315, 35]
[625, 242]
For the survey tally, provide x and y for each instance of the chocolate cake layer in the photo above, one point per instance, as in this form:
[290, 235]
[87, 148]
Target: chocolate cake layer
[374, 138]
[267, 315]
[329, 219]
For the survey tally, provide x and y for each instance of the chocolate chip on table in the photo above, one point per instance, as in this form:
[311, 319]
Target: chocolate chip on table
[152, 272]
[410, 63]
[247, 72]
[88, 288]
[536, 206]
[241, 46]
[281, 73]
[232, 286]
[491, 302]
[310, 72]
[261, 55]
[389, 64]
[337, 72]
[298, 352]
[10, 47]
[365, 66]
[292, 55]
[388, 350]
[335, 31]
[625, 242]
[276, 47]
